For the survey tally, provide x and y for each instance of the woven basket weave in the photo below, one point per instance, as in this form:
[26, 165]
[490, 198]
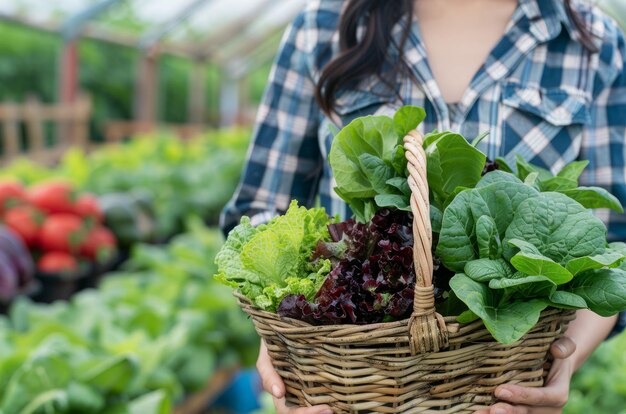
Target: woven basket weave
[425, 364]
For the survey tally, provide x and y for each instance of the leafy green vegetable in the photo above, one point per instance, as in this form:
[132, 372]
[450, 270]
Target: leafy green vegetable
[272, 261]
[531, 262]
[604, 290]
[368, 161]
[140, 342]
[484, 270]
[560, 228]
[452, 162]
[507, 322]
[487, 238]
[457, 240]
[566, 300]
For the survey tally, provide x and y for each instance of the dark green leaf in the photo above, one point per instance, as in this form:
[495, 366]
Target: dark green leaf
[604, 290]
[376, 171]
[516, 282]
[497, 176]
[558, 184]
[452, 162]
[487, 238]
[401, 184]
[467, 317]
[435, 218]
[393, 200]
[560, 228]
[531, 262]
[507, 323]
[484, 270]
[582, 264]
[573, 170]
[566, 300]
[524, 168]
[407, 119]
[594, 197]
[457, 241]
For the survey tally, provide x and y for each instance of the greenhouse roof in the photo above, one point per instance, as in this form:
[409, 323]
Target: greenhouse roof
[220, 30]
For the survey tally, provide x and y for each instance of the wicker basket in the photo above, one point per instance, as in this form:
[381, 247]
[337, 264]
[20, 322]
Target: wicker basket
[425, 364]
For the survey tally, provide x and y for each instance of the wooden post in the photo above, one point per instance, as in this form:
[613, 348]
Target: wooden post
[34, 126]
[9, 115]
[68, 72]
[80, 122]
[146, 89]
[197, 93]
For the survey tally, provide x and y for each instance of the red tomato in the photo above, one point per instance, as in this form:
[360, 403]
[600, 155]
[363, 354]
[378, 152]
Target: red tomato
[57, 262]
[99, 244]
[87, 207]
[26, 222]
[12, 193]
[53, 198]
[62, 233]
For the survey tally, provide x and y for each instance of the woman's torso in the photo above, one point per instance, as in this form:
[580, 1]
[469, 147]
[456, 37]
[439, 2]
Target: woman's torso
[532, 94]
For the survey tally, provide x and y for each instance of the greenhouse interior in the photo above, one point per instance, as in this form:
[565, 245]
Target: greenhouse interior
[129, 126]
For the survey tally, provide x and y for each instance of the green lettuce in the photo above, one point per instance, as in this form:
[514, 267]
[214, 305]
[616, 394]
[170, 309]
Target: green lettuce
[272, 261]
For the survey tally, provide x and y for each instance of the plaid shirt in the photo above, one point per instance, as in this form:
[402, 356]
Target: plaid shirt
[540, 94]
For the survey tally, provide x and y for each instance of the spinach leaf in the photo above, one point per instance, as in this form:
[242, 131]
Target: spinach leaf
[393, 200]
[604, 290]
[566, 300]
[517, 282]
[500, 200]
[594, 197]
[368, 160]
[573, 170]
[559, 227]
[530, 261]
[582, 264]
[484, 270]
[452, 162]
[488, 239]
[407, 118]
[507, 322]
[496, 177]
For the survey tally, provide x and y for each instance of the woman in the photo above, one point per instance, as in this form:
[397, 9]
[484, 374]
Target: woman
[546, 78]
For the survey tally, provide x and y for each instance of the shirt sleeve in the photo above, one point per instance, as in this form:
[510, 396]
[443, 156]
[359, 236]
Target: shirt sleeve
[284, 160]
[604, 141]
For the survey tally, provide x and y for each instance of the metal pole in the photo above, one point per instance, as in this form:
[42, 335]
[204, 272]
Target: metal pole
[149, 39]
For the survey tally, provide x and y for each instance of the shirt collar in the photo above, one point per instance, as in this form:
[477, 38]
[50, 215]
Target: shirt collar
[548, 17]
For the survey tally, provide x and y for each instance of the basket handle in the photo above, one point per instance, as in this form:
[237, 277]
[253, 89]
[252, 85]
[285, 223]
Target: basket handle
[427, 329]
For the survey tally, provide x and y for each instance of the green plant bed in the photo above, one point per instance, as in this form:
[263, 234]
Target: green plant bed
[149, 336]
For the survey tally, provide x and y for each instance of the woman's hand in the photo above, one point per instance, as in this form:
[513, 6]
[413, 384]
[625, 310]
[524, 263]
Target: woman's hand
[551, 398]
[273, 384]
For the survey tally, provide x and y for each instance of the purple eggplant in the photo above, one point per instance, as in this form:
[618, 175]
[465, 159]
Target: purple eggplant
[18, 254]
[9, 278]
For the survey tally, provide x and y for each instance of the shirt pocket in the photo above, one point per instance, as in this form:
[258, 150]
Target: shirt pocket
[350, 105]
[543, 125]
[356, 103]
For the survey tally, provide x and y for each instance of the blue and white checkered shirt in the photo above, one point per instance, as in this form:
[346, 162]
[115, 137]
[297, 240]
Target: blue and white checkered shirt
[540, 94]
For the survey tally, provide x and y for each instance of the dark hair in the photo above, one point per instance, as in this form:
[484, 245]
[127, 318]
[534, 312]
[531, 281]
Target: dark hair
[363, 56]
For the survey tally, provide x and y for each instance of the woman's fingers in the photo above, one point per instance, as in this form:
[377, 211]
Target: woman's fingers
[272, 382]
[563, 348]
[539, 397]
[282, 408]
